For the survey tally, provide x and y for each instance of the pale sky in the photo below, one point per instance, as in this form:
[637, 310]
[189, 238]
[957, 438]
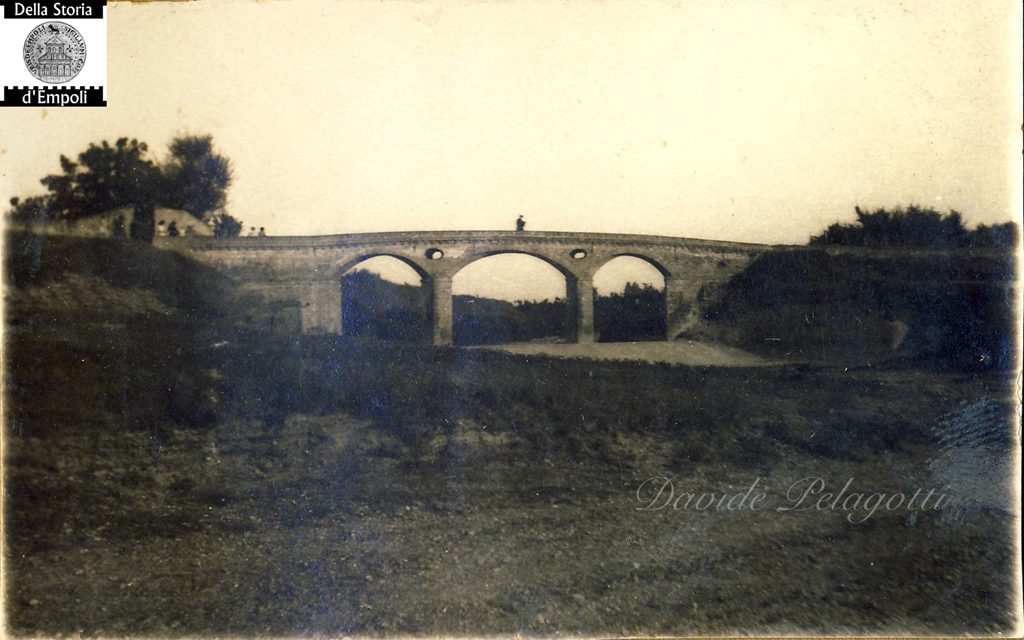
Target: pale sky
[733, 120]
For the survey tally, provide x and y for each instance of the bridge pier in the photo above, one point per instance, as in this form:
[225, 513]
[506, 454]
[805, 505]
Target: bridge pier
[682, 308]
[580, 294]
[320, 307]
[441, 310]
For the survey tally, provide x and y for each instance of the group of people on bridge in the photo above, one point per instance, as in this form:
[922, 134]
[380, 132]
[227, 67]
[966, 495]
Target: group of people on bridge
[171, 230]
[165, 230]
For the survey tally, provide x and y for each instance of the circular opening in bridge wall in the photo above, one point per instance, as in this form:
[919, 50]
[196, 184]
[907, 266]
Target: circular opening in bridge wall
[434, 254]
[578, 254]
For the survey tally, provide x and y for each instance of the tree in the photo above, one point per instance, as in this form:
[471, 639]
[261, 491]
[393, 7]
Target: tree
[195, 176]
[637, 313]
[105, 177]
[915, 227]
[224, 226]
[33, 209]
[997, 236]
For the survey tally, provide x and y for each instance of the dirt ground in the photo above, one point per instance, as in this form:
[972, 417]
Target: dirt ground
[327, 525]
[686, 352]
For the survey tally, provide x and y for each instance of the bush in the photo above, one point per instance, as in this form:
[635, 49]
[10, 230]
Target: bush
[919, 228]
[948, 311]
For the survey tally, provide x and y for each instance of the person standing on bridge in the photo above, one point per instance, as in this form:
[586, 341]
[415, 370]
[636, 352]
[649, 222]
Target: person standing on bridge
[520, 223]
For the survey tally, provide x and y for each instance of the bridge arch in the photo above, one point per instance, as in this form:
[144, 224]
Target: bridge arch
[470, 259]
[510, 296]
[341, 267]
[630, 299]
[386, 298]
[665, 273]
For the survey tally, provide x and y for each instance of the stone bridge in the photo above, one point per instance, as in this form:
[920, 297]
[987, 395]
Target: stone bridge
[309, 269]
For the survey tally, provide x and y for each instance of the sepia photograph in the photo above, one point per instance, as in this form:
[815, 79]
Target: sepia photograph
[511, 318]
